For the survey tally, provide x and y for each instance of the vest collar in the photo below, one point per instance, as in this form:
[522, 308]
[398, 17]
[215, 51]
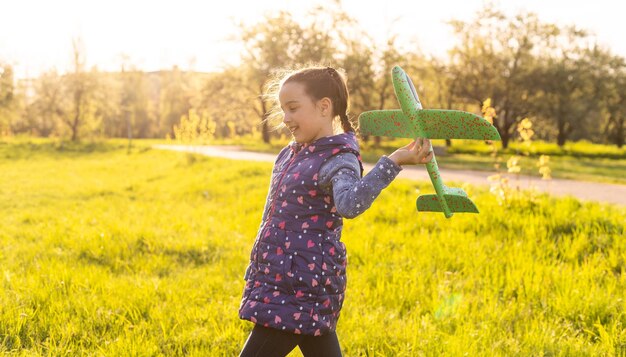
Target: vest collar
[348, 139]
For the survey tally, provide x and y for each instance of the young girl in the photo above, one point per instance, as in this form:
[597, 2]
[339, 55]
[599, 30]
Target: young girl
[296, 278]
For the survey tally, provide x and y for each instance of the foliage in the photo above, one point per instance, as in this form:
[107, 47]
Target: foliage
[571, 88]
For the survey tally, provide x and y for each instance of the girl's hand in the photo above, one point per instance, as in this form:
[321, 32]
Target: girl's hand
[419, 151]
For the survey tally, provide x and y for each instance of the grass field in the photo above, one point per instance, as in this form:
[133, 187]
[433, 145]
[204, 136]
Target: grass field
[104, 252]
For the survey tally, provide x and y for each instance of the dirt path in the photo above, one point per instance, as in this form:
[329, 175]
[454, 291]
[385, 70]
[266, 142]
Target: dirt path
[584, 190]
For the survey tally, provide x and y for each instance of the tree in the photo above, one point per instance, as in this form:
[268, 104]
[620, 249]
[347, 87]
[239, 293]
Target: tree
[565, 86]
[279, 42]
[357, 60]
[7, 88]
[615, 117]
[133, 103]
[80, 87]
[358, 65]
[225, 104]
[48, 107]
[495, 58]
[611, 79]
[175, 98]
[382, 91]
[442, 84]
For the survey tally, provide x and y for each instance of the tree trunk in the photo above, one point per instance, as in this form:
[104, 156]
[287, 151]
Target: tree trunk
[75, 128]
[266, 126]
[266, 131]
[504, 130]
[505, 139]
[560, 139]
[619, 133]
[561, 135]
[130, 133]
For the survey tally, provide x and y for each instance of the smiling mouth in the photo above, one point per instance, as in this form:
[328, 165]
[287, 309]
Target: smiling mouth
[293, 129]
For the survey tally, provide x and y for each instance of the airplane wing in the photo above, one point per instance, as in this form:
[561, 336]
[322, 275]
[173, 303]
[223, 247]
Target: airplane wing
[454, 124]
[391, 123]
[430, 123]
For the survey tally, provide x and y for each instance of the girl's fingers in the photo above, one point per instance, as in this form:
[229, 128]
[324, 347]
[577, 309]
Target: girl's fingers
[424, 154]
[428, 158]
[419, 148]
[418, 145]
[426, 147]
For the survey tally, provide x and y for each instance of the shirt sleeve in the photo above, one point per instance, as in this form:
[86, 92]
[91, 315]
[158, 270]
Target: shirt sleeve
[340, 175]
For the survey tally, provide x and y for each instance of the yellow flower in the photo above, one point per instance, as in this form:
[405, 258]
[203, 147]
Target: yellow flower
[544, 169]
[525, 124]
[486, 104]
[513, 164]
[545, 173]
[488, 111]
[544, 160]
[524, 129]
[527, 134]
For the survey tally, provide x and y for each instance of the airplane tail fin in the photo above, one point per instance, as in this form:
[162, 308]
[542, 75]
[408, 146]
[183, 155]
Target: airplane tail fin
[456, 200]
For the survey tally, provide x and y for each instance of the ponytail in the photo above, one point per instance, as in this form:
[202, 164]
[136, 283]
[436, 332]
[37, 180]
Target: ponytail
[340, 102]
[345, 123]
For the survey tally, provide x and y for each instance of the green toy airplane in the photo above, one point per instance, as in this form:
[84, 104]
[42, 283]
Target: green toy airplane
[412, 122]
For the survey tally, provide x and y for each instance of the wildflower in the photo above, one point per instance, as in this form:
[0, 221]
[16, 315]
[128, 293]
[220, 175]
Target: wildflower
[488, 111]
[544, 168]
[513, 164]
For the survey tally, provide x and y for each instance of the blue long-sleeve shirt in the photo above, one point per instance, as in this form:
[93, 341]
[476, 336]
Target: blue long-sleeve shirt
[351, 193]
[340, 176]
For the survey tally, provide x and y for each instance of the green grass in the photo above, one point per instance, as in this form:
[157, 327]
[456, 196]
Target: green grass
[580, 160]
[108, 253]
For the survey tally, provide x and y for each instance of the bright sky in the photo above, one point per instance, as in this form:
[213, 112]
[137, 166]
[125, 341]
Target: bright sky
[35, 35]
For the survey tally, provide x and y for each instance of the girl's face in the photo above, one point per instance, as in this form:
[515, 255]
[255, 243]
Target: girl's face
[307, 119]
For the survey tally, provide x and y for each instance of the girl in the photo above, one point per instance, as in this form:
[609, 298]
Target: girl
[296, 278]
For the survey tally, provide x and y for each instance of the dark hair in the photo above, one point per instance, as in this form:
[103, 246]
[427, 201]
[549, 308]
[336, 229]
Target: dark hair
[321, 82]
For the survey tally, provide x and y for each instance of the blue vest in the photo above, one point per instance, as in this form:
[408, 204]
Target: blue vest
[296, 278]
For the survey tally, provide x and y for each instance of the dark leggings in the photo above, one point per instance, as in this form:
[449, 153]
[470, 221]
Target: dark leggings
[269, 342]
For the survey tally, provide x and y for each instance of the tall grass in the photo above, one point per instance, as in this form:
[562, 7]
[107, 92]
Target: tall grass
[108, 253]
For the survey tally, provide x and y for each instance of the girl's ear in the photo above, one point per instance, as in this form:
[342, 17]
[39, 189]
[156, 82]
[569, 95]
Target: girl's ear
[326, 106]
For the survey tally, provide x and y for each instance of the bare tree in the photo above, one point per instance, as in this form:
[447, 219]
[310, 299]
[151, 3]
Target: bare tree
[7, 88]
[79, 88]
